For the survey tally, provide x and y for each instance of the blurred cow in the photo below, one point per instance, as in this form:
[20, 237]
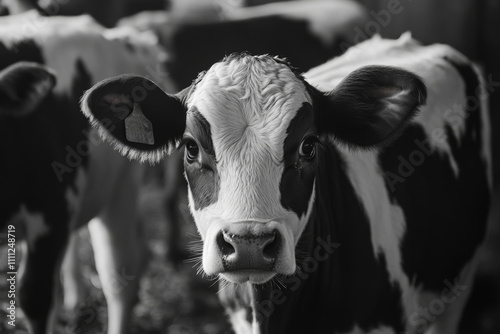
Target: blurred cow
[307, 33]
[106, 12]
[56, 175]
[316, 238]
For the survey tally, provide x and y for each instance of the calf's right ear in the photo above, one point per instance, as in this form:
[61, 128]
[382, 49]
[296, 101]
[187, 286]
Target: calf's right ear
[136, 115]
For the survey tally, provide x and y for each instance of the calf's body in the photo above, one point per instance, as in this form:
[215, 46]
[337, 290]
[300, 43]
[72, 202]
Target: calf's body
[347, 211]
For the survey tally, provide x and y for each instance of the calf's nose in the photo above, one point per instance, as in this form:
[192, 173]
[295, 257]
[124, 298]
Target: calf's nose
[249, 251]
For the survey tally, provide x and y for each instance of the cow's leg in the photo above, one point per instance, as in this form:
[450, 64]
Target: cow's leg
[73, 287]
[38, 284]
[119, 253]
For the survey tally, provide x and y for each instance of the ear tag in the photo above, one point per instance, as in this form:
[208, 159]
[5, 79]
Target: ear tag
[138, 129]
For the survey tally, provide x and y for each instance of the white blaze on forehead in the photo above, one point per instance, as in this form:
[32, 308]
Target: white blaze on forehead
[249, 103]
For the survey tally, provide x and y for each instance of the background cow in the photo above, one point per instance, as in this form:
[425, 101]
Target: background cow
[307, 32]
[56, 175]
[106, 12]
[359, 242]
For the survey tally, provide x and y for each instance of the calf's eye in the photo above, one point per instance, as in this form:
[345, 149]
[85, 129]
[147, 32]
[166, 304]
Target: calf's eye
[308, 148]
[192, 150]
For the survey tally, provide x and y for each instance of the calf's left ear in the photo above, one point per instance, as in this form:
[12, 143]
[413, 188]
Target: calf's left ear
[143, 121]
[371, 106]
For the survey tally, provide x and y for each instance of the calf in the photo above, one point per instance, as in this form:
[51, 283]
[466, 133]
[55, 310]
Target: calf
[56, 175]
[326, 202]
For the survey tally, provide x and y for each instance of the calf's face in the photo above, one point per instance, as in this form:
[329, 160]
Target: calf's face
[250, 127]
[250, 152]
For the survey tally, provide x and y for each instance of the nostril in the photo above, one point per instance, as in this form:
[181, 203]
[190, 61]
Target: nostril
[272, 246]
[223, 241]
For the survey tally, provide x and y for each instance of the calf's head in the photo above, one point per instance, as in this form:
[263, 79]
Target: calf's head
[251, 127]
